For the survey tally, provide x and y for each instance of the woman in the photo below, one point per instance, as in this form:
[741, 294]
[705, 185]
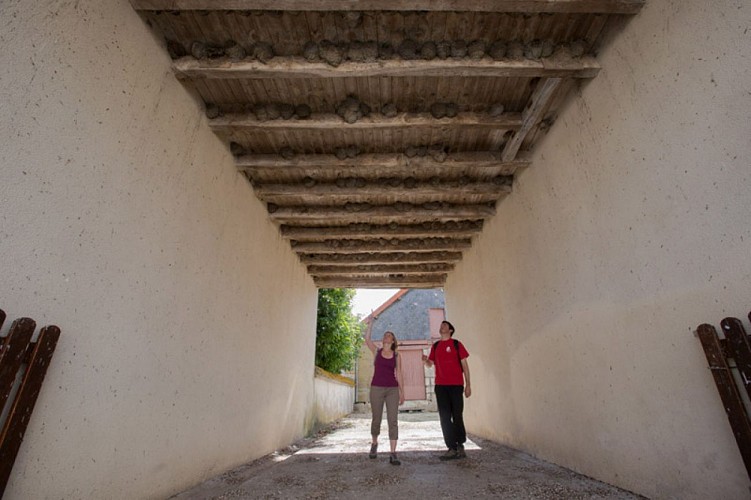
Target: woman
[387, 386]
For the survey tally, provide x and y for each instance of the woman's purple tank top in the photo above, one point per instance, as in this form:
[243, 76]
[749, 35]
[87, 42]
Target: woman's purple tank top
[384, 375]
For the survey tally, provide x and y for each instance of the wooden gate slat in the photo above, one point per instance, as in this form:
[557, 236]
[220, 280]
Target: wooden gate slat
[13, 350]
[20, 413]
[729, 394]
[738, 348]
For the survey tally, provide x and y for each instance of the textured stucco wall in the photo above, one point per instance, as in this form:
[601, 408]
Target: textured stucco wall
[124, 221]
[633, 226]
[334, 396]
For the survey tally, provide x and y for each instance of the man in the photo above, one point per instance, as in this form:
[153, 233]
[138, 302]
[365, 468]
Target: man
[451, 372]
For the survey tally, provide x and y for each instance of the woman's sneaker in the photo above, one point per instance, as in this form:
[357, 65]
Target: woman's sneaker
[460, 453]
[373, 451]
[449, 455]
[393, 460]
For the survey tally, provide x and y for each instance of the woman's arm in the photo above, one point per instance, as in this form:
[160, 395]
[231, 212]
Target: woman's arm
[400, 379]
[368, 342]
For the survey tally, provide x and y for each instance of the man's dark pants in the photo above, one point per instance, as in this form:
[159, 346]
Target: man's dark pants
[450, 400]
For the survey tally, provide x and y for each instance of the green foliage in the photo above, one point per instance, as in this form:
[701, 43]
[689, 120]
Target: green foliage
[338, 331]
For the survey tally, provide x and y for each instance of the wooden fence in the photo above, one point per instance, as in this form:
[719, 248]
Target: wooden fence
[733, 352]
[23, 364]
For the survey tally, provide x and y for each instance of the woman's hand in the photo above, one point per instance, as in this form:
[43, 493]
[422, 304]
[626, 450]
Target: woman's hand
[401, 397]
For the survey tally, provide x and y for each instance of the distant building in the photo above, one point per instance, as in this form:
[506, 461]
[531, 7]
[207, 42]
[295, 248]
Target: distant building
[414, 315]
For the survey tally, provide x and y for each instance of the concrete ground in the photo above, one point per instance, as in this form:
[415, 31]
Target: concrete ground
[334, 464]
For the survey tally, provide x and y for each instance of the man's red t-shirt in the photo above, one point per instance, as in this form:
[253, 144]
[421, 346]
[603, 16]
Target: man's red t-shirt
[448, 370]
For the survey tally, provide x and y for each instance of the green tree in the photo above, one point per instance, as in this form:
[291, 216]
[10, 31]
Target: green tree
[338, 331]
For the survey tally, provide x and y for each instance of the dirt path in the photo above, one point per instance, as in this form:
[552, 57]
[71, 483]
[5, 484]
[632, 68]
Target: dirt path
[335, 464]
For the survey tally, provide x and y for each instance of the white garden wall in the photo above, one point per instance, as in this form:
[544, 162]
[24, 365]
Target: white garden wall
[334, 396]
[632, 227]
[124, 221]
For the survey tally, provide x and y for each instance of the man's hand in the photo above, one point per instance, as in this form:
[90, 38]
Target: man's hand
[467, 391]
[426, 361]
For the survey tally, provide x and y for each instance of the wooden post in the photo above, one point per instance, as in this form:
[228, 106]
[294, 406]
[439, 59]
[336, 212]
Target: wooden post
[738, 348]
[14, 349]
[19, 354]
[729, 394]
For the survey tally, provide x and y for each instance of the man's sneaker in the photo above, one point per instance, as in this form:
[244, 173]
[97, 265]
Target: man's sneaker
[373, 450]
[449, 455]
[393, 460]
[460, 453]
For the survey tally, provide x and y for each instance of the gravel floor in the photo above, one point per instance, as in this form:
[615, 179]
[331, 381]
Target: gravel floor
[334, 464]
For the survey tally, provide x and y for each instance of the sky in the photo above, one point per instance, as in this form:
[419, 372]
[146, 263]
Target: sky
[368, 300]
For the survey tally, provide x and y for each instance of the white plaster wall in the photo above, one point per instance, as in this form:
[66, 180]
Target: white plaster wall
[124, 221]
[632, 227]
[334, 397]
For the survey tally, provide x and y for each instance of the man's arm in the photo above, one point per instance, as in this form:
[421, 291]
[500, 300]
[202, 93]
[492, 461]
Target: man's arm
[426, 359]
[467, 384]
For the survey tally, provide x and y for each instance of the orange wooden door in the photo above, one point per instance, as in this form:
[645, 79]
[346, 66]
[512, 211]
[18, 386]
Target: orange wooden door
[413, 373]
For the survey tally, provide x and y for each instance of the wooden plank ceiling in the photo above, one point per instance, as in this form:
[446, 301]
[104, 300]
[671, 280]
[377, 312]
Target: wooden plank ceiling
[381, 134]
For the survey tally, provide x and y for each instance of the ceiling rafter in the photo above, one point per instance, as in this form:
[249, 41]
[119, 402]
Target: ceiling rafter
[449, 167]
[367, 231]
[532, 115]
[382, 214]
[236, 122]
[382, 245]
[478, 159]
[435, 280]
[378, 269]
[562, 66]
[572, 6]
[342, 190]
[383, 258]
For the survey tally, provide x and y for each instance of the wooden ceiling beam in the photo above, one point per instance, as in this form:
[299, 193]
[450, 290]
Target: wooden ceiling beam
[247, 122]
[396, 281]
[380, 214]
[367, 231]
[367, 164]
[291, 67]
[486, 159]
[342, 191]
[382, 245]
[539, 101]
[382, 258]
[416, 197]
[565, 6]
[334, 270]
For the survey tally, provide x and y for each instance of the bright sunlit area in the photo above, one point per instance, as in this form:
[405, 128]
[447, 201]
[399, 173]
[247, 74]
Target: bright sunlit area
[418, 432]
[368, 300]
